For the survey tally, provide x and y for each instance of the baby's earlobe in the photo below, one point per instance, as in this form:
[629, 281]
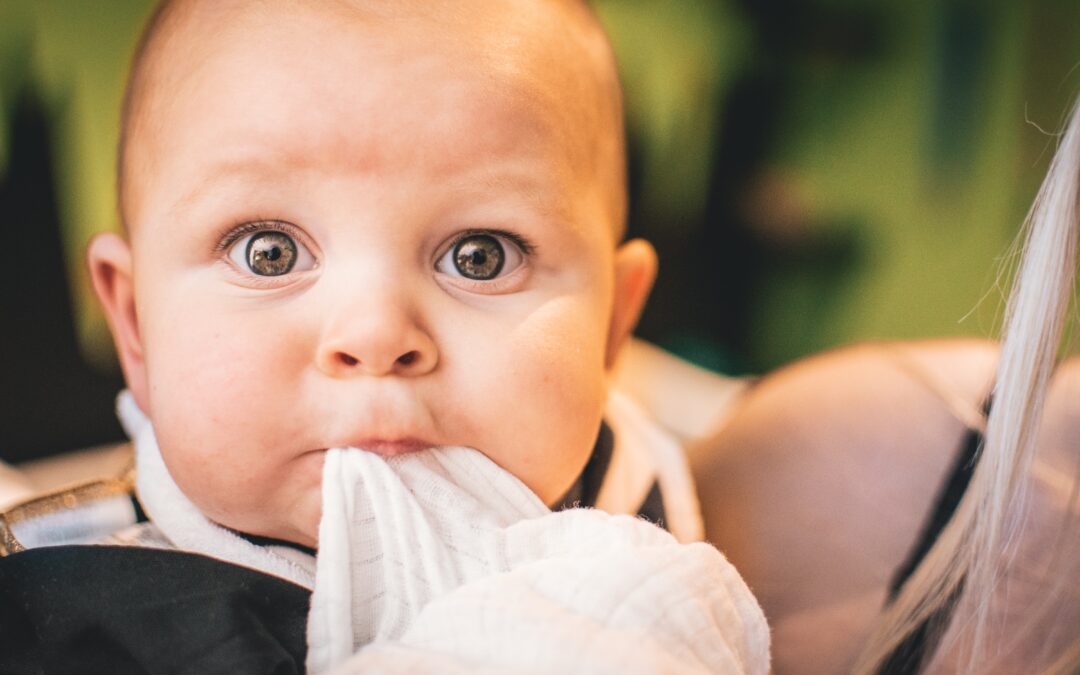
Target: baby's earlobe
[635, 271]
[108, 257]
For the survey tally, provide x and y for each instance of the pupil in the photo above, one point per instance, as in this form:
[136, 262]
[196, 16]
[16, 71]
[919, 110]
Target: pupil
[479, 256]
[271, 254]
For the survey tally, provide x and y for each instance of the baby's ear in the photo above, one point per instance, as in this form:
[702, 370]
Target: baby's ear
[635, 270]
[109, 258]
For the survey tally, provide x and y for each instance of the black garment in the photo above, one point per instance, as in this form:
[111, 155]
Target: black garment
[586, 488]
[909, 654]
[115, 609]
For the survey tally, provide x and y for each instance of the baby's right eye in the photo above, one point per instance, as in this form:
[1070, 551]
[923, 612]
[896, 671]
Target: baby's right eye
[269, 252]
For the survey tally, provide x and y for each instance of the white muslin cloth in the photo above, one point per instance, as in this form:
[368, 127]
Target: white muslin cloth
[440, 561]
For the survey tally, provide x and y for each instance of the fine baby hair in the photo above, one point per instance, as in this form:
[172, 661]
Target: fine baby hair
[965, 571]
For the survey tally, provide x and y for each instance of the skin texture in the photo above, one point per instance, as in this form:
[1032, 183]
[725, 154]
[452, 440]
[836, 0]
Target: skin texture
[818, 486]
[374, 135]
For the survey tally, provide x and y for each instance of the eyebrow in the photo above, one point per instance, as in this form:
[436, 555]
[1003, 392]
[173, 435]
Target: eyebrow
[493, 180]
[229, 169]
[523, 183]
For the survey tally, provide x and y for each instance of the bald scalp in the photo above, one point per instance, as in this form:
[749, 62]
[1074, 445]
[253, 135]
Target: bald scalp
[563, 36]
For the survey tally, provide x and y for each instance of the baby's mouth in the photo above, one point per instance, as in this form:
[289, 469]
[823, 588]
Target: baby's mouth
[390, 447]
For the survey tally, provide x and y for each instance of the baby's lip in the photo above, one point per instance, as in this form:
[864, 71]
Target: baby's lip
[389, 447]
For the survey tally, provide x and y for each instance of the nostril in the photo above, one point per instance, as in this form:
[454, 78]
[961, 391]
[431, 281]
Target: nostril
[347, 359]
[407, 358]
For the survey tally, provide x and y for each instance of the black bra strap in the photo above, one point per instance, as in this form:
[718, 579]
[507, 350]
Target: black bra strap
[909, 654]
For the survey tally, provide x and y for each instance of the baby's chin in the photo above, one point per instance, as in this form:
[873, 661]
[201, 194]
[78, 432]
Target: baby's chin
[306, 518]
[301, 527]
[288, 518]
[307, 532]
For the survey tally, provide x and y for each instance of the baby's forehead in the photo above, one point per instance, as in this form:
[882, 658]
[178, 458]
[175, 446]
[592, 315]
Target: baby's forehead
[495, 26]
[549, 51]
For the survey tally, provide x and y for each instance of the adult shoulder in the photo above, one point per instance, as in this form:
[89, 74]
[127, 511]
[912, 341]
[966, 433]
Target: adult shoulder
[818, 485]
[1060, 433]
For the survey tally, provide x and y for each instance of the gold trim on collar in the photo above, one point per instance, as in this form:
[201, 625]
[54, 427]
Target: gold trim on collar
[61, 500]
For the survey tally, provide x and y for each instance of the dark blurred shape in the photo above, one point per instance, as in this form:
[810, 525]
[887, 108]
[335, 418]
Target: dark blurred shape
[964, 42]
[51, 401]
[702, 306]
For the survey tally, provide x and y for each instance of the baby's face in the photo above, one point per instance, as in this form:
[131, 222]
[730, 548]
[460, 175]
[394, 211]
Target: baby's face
[349, 233]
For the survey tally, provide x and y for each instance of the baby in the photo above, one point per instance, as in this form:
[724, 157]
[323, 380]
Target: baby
[383, 225]
[391, 226]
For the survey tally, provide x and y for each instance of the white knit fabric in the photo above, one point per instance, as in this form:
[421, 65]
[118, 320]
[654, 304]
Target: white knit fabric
[645, 454]
[440, 561]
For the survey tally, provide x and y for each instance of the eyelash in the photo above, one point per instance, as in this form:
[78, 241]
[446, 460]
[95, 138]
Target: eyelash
[526, 251]
[527, 247]
[238, 232]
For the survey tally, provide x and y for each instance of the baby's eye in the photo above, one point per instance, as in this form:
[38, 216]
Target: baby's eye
[271, 253]
[482, 256]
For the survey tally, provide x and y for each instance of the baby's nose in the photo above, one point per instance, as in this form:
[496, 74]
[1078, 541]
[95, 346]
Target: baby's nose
[376, 343]
[381, 366]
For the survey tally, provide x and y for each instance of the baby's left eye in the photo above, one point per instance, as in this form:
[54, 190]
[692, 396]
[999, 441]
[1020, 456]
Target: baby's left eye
[270, 253]
[482, 256]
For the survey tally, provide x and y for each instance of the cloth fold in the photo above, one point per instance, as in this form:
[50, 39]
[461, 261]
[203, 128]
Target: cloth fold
[440, 561]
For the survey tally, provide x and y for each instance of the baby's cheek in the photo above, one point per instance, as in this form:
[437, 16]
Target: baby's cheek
[557, 402]
[223, 399]
[242, 496]
[210, 471]
[222, 416]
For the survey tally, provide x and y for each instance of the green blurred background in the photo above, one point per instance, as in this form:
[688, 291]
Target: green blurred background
[812, 173]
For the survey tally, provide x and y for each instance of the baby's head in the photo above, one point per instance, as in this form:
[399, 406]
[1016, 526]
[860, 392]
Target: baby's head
[386, 224]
